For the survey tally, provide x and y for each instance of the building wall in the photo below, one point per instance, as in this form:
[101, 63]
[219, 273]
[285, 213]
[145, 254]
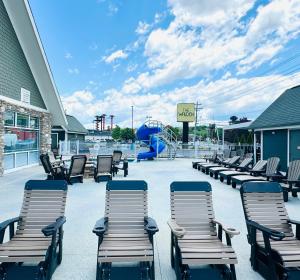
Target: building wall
[14, 69]
[74, 136]
[45, 128]
[294, 145]
[275, 145]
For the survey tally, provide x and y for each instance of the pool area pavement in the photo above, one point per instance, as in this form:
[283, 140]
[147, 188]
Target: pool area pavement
[85, 205]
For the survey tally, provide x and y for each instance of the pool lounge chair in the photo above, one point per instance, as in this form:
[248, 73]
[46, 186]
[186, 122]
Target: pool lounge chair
[103, 170]
[271, 169]
[291, 180]
[214, 171]
[126, 232]
[207, 158]
[226, 175]
[34, 250]
[227, 163]
[202, 165]
[275, 249]
[117, 158]
[195, 240]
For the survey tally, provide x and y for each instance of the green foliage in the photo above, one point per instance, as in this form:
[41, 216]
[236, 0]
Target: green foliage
[175, 130]
[116, 133]
[127, 134]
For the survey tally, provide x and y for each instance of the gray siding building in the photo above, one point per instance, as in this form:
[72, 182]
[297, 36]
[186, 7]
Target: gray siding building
[277, 129]
[29, 102]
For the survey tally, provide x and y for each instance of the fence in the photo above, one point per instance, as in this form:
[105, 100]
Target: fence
[200, 149]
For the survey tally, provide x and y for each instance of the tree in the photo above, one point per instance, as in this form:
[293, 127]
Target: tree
[175, 130]
[233, 119]
[127, 134]
[116, 133]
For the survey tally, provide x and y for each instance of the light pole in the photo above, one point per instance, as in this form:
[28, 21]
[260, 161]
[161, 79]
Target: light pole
[132, 123]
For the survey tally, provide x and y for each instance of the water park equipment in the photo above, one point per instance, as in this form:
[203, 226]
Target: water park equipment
[158, 137]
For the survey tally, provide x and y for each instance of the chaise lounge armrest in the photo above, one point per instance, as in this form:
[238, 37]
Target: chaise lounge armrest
[177, 230]
[7, 223]
[229, 230]
[294, 222]
[151, 226]
[54, 227]
[100, 226]
[273, 234]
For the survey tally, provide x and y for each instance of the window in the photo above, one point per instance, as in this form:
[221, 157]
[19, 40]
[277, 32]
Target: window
[9, 118]
[34, 122]
[22, 120]
[20, 140]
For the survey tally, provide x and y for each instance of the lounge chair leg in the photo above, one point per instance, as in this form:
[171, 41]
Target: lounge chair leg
[222, 179]
[294, 194]
[285, 196]
[233, 184]
[152, 271]
[172, 251]
[233, 274]
[228, 181]
[216, 176]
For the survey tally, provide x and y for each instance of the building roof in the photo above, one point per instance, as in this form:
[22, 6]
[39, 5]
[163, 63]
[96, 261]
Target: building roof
[283, 112]
[75, 126]
[243, 125]
[23, 22]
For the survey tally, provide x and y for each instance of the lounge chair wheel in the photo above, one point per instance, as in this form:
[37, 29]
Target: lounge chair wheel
[233, 185]
[285, 196]
[294, 194]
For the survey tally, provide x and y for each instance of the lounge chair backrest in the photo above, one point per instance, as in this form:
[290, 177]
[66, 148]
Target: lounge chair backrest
[234, 160]
[272, 165]
[226, 153]
[263, 203]
[117, 155]
[260, 165]
[126, 206]
[104, 164]
[245, 162]
[77, 165]
[249, 155]
[294, 171]
[191, 206]
[51, 157]
[46, 164]
[233, 153]
[44, 201]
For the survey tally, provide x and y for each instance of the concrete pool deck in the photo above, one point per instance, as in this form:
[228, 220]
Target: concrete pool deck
[85, 205]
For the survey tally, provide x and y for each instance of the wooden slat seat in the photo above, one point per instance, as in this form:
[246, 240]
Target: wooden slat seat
[125, 238]
[263, 204]
[194, 229]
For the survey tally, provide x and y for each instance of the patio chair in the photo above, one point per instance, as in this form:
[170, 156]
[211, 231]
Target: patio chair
[214, 171]
[103, 170]
[291, 180]
[34, 250]
[54, 160]
[226, 175]
[76, 171]
[275, 250]
[117, 158]
[126, 232]
[53, 172]
[195, 240]
[271, 170]
[123, 167]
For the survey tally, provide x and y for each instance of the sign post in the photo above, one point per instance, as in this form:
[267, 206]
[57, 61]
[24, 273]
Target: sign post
[185, 114]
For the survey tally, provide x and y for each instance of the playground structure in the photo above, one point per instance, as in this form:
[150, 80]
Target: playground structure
[100, 122]
[158, 137]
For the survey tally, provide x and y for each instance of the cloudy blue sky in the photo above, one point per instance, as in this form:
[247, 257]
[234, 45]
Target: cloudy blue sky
[233, 56]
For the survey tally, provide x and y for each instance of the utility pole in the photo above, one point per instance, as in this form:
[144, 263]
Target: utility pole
[197, 109]
[132, 122]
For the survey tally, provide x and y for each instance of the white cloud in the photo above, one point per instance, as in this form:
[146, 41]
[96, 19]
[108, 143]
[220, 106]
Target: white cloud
[73, 71]
[143, 28]
[119, 54]
[112, 9]
[68, 55]
[220, 99]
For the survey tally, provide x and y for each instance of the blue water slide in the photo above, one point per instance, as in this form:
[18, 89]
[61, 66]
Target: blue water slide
[147, 135]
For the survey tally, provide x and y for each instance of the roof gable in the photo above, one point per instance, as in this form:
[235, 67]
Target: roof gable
[284, 111]
[75, 126]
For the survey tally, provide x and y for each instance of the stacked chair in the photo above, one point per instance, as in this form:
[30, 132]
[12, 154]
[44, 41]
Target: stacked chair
[34, 250]
[214, 171]
[271, 170]
[227, 163]
[195, 240]
[227, 174]
[212, 158]
[275, 249]
[103, 170]
[125, 234]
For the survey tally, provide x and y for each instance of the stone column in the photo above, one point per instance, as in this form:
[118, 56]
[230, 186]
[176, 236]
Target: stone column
[45, 133]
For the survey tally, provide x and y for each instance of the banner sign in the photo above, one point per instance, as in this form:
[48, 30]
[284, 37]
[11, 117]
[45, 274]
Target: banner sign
[186, 112]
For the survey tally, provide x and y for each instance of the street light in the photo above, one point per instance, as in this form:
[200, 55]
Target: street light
[132, 122]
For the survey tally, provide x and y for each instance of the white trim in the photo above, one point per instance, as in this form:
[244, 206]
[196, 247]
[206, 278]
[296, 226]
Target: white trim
[278, 128]
[19, 168]
[254, 147]
[22, 104]
[288, 148]
[261, 145]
